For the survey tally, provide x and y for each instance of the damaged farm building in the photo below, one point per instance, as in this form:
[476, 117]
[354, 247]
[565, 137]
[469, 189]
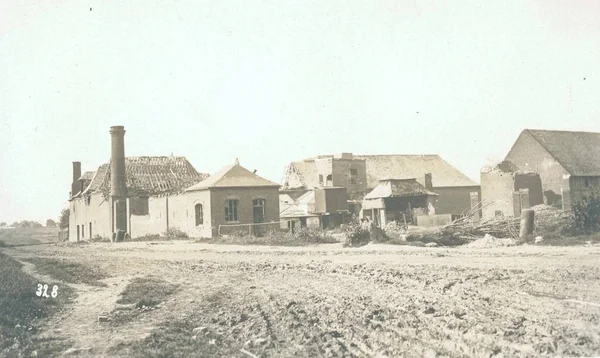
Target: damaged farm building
[506, 191]
[137, 196]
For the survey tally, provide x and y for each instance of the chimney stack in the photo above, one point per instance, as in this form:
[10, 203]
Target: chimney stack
[118, 186]
[75, 187]
[428, 181]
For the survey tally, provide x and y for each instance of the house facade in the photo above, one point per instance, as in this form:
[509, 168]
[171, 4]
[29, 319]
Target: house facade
[567, 162]
[233, 200]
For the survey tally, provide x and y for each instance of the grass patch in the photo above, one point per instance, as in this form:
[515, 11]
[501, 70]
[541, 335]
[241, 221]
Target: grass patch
[143, 294]
[21, 312]
[25, 236]
[170, 234]
[301, 237]
[175, 339]
[69, 271]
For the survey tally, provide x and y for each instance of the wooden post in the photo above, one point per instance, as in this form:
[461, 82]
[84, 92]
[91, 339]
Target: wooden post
[527, 219]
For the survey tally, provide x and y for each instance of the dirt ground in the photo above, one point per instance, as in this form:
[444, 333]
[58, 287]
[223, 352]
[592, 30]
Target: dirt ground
[373, 301]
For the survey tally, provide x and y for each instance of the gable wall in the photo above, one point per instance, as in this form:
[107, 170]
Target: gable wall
[529, 155]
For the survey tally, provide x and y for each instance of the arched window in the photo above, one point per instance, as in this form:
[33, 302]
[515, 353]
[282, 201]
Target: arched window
[199, 214]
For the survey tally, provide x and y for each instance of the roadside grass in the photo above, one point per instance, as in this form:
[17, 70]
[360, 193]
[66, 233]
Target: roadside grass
[176, 338]
[21, 312]
[301, 237]
[170, 234]
[25, 236]
[69, 271]
[141, 295]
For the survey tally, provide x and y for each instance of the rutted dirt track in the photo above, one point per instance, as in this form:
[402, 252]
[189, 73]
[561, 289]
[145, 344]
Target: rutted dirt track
[327, 301]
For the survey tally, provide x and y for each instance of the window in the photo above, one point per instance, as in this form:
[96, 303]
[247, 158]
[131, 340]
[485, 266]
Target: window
[83, 231]
[90, 230]
[320, 178]
[588, 183]
[199, 214]
[231, 210]
[77, 232]
[329, 180]
[353, 176]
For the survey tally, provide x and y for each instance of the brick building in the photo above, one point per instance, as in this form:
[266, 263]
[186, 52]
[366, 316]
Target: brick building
[230, 199]
[568, 163]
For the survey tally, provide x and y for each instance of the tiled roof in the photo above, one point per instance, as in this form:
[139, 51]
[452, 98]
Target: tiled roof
[87, 176]
[233, 176]
[413, 166]
[577, 152]
[398, 188]
[149, 176]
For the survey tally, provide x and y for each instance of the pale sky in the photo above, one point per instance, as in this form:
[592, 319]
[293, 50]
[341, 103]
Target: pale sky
[273, 81]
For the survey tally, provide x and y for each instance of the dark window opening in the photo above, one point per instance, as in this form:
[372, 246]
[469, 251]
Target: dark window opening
[587, 183]
[90, 230]
[320, 178]
[353, 176]
[77, 232]
[231, 210]
[139, 206]
[83, 231]
[329, 180]
[199, 214]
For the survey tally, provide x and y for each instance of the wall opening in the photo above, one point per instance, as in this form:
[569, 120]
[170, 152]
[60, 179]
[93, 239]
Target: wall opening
[199, 214]
[231, 210]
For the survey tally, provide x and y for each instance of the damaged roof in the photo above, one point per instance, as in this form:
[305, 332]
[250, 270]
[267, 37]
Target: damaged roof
[233, 176]
[577, 152]
[414, 166]
[394, 188]
[149, 176]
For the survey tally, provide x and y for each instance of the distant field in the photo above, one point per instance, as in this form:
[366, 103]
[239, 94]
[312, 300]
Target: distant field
[28, 236]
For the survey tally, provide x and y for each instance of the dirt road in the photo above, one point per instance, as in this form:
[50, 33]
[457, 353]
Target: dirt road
[382, 301]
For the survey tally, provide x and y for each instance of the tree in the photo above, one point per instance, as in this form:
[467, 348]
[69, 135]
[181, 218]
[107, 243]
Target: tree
[50, 223]
[63, 222]
[2, 224]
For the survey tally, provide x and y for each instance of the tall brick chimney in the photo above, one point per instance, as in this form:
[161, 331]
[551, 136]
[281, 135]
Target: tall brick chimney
[75, 186]
[428, 181]
[118, 184]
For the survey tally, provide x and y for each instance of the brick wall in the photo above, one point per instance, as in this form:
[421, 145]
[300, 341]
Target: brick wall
[529, 155]
[245, 209]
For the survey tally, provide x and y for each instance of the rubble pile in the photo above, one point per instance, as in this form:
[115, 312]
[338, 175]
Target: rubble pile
[549, 219]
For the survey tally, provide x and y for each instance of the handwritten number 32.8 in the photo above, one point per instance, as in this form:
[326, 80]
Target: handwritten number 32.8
[42, 291]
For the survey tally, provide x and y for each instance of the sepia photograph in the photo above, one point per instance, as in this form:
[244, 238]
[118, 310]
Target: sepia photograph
[299, 178]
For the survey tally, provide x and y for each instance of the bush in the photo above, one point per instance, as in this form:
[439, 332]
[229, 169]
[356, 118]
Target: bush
[356, 234]
[396, 231]
[98, 238]
[301, 237]
[585, 216]
[175, 233]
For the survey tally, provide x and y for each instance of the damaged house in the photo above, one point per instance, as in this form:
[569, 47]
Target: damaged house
[400, 200]
[567, 162]
[137, 196]
[506, 190]
[360, 174]
[325, 207]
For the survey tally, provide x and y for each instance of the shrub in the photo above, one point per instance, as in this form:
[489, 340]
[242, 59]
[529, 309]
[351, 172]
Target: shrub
[356, 234]
[395, 230]
[585, 216]
[175, 233]
[98, 238]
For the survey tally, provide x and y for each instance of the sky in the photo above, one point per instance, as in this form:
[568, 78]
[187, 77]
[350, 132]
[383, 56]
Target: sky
[274, 81]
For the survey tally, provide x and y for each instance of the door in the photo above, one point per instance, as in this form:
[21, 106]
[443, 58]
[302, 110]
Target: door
[258, 213]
